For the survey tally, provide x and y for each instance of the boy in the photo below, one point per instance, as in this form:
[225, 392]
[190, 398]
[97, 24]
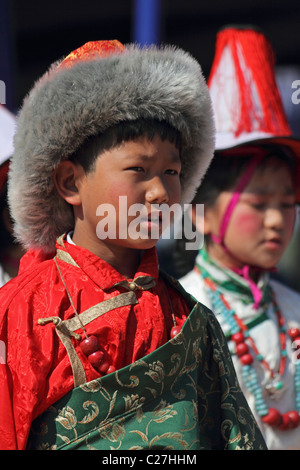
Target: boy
[99, 353]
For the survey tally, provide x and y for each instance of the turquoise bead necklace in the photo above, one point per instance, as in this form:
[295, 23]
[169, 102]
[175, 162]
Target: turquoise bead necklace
[241, 337]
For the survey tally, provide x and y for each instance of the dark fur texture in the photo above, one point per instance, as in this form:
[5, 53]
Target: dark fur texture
[68, 105]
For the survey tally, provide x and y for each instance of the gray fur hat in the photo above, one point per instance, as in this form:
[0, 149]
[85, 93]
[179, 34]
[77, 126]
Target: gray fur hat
[73, 101]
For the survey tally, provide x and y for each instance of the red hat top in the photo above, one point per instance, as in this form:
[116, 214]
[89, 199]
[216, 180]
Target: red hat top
[92, 49]
[243, 88]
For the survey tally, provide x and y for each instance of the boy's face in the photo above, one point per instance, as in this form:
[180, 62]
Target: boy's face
[136, 172]
[262, 222]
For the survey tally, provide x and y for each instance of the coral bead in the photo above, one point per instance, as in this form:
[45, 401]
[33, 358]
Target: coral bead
[174, 331]
[89, 345]
[103, 367]
[241, 349]
[110, 370]
[273, 417]
[96, 358]
[238, 337]
[294, 417]
[294, 332]
[246, 359]
[286, 423]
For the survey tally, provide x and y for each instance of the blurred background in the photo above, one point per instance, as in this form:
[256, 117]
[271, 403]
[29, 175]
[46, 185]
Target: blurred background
[33, 34]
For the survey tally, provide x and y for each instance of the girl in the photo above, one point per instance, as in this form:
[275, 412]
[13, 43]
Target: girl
[249, 215]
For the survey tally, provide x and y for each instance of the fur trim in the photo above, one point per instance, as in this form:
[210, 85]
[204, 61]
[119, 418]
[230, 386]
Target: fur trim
[68, 105]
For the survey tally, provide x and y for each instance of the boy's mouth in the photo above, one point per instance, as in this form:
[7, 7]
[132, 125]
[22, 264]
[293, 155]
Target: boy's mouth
[155, 217]
[152, 224]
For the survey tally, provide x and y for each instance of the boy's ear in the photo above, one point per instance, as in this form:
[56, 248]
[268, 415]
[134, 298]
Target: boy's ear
[66, 178]
[7, 220]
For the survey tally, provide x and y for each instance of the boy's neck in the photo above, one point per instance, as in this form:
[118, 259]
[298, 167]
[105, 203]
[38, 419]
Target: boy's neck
[126, 261]
[123, 259]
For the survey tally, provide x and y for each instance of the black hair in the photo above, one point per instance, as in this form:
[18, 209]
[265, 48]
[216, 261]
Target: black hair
[227, 167]
[125, 131]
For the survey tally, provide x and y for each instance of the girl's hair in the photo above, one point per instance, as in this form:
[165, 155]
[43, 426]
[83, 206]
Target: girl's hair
[125, 131]
[6, 238]
[222, 175]
[227, 167]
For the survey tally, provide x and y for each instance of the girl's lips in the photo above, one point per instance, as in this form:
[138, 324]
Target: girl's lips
[273, 243]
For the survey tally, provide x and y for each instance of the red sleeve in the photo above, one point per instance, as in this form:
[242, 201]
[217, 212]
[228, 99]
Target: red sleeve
[8, 437]
[21, 369]
[12, 437]
[16, 401]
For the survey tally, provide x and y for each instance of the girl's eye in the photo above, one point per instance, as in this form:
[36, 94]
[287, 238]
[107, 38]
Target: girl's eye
[255, 203]
[262, 206]
[288, 205]
[259, 205]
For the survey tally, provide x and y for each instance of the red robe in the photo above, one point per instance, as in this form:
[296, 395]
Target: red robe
[35, 370]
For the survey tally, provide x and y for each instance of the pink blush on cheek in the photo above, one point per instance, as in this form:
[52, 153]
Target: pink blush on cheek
[116, 191]
[244, 224]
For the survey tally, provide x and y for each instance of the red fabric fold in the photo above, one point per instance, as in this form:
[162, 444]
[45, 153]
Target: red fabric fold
[37, 371]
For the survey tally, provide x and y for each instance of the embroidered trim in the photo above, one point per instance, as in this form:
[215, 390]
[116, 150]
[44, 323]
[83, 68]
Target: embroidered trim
[65, 329]
[76, 364]
[122, 300]
[64, 255]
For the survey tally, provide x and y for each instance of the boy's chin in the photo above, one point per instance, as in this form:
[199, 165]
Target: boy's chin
[143, 244]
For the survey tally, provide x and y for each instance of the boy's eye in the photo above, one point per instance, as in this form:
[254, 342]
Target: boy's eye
[135, 168]
[172, 172]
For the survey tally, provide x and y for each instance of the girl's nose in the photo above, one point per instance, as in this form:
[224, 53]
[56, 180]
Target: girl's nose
[274, 218]
[156, 191]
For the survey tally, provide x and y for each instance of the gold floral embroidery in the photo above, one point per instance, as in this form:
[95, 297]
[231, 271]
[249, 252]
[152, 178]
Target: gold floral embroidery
[183, 396]
[67, 418]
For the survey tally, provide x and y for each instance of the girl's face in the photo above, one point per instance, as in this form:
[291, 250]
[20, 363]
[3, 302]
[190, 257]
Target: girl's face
[262, 222]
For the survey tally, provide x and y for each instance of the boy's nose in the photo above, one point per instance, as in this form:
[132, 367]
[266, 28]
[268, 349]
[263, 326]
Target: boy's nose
[156, 192]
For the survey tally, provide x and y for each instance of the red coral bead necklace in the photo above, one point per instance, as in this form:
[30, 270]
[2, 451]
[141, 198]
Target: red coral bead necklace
[246, 355]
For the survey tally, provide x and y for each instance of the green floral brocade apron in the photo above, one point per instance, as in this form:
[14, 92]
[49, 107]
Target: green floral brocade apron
[182, 396]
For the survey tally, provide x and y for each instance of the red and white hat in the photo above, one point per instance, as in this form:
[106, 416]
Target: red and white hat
[7, 131]
[246, 101]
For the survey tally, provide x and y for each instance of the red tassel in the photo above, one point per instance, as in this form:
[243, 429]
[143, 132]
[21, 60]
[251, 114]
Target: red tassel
[252, 48]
